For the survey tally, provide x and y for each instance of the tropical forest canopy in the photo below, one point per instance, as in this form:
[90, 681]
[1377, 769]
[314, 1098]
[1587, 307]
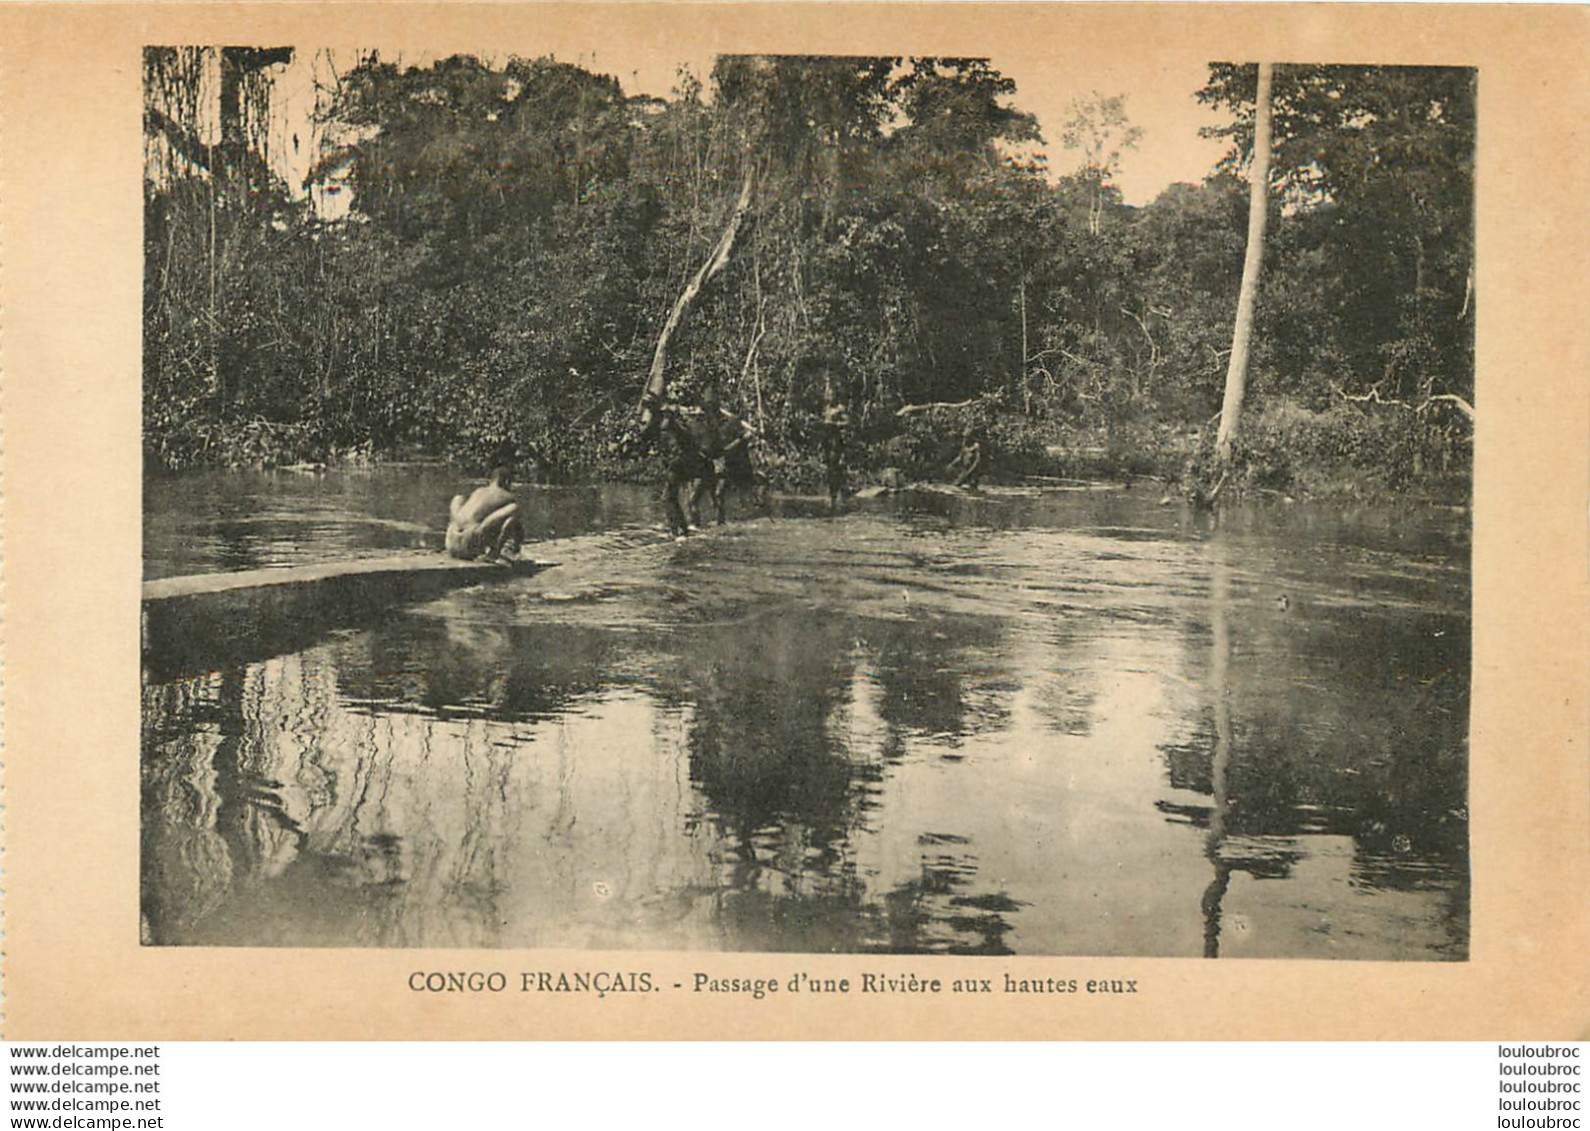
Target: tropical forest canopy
[519, 234]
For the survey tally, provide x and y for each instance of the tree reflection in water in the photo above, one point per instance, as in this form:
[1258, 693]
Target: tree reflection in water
[1378, 802]
[789, 791]
[1034, 743]
[1220, 762]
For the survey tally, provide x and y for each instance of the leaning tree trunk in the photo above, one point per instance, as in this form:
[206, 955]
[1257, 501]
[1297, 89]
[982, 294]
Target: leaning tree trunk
[1258, 213]
[657, 381]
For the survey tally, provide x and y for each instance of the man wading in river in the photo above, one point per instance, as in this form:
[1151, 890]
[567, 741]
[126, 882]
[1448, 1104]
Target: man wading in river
[831, 440]
[486, 524]
[969, 461]
[687, 469]
[726, 440]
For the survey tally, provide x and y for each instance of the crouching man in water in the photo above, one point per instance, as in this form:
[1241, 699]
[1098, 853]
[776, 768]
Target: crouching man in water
[486, 524]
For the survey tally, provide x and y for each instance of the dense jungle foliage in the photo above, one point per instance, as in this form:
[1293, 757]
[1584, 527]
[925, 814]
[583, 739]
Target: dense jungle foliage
[520, 232]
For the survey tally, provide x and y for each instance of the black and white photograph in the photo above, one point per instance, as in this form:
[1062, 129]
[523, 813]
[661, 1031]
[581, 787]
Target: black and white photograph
[810, 504]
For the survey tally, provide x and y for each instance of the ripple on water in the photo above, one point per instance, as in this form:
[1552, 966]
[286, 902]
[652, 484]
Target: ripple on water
[1009, 724]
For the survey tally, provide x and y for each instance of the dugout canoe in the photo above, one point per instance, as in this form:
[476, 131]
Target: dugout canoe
[196, 623]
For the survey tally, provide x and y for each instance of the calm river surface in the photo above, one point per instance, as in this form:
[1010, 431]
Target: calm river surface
[1071, 722]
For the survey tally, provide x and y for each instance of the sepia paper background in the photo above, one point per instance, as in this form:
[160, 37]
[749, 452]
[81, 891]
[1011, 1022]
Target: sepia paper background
[70, 286]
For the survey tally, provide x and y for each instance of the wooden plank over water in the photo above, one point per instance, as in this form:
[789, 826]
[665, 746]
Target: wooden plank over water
[437, 565]
[200, 622]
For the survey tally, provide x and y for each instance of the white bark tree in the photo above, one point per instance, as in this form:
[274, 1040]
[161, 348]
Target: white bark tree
[1258, 214]
[657, 380]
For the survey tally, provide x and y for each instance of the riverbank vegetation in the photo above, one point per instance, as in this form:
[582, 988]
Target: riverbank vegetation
[521, 233]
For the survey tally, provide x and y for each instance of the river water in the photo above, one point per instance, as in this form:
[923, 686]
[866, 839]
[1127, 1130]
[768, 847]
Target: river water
[1034, 722]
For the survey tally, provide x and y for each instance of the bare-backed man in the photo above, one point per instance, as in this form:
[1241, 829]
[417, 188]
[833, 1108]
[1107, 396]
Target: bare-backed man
[486, 523]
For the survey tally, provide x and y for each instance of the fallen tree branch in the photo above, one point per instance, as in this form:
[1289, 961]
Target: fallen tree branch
[908, 409]
[1374, 397]
[1371, 397]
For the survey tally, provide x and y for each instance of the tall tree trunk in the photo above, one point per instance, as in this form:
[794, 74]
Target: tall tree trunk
[657, 381]
[1258, 213]
[1026, 382]
[212, 327]
[237, 63]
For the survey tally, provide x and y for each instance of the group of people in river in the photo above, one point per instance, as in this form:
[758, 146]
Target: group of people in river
[705, 450]
[703, 454]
